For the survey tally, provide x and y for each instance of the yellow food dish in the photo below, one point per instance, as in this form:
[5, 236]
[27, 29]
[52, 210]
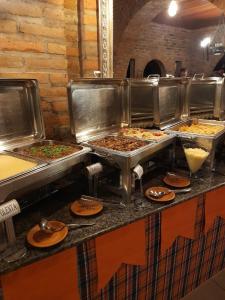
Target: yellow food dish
[143, 134]
[201, 129]
[195, 158]
[10, 166]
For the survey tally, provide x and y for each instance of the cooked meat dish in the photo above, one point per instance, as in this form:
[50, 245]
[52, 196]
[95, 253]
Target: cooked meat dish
[143, 134]
[201, 129]
[119, 143]
[51, 152]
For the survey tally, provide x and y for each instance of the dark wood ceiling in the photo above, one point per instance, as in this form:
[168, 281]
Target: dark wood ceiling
[192, 14]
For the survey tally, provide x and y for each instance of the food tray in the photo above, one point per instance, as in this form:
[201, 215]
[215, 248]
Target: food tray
[119, 152]
[165, 137]
[174, 129]
[22, 150]
[39, 165]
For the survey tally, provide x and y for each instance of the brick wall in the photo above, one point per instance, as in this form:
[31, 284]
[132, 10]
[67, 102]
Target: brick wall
[145, 40]
[40, 39]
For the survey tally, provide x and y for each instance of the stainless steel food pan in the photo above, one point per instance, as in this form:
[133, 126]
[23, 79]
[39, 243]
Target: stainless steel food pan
[46, 143]
[39, 165]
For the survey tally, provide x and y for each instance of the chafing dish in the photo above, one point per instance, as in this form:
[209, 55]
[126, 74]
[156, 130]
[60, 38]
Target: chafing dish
[23, 150]
[156, 102]
[210, 142]
[21, 124]
[205, 98]
[100, 108]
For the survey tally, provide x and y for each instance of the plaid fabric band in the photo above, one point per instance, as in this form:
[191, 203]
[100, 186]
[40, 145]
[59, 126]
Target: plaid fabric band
[185, 265]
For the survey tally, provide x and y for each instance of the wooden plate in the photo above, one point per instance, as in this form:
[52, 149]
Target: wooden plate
[86, 208]
[166, 198]
[177, 181]
[39, 238]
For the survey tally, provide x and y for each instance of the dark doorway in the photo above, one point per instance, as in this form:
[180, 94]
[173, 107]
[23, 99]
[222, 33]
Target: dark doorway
[131, 69]
[155, 67]
[221, 64]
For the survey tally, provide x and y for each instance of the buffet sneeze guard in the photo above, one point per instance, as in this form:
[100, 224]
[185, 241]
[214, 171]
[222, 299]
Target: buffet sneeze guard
[100, 108]
[21, 124]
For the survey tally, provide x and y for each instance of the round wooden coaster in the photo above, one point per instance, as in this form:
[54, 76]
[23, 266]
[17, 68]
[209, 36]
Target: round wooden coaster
[86, 208]
[176, 181]
[170, 196]
[41, 239]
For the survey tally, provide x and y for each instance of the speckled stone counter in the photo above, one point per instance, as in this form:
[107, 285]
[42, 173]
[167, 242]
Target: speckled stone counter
[57, 208]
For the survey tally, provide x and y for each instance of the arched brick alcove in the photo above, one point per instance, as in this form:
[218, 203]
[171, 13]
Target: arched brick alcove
[138, 37]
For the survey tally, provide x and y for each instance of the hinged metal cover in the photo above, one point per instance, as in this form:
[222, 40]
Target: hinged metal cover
[142, 93]
[97, 107]
[20, 114]
[204, 98]
[169, 102]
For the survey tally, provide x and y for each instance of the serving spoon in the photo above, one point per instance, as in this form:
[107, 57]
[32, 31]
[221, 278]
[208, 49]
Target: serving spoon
[160, 194]
[44, 226]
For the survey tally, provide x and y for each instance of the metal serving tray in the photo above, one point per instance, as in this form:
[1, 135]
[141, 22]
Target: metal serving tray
[100, 108]
[136, 156]
[174, 129]
[39, 163]
[45, 143]
[21, 125]
[210, 142]
[39, 177]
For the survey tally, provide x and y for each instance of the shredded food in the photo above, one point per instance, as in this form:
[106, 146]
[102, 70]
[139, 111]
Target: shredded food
[143, 134]
[201, 129]
[119, 143]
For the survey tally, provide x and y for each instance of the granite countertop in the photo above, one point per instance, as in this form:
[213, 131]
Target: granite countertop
[57, 207]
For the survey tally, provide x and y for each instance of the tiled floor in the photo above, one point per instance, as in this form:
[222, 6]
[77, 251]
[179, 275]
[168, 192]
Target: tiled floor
[213, 289]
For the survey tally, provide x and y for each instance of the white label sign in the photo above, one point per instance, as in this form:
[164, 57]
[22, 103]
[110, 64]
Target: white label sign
[9, 209]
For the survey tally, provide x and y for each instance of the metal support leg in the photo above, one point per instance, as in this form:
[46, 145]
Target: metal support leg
[126, 184]
[10, 231]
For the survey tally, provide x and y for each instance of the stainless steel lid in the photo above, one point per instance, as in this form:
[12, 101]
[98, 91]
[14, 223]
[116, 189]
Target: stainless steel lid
[97, 107]
[20, 114]
[169, 102]
[205, 95]
[142, 93]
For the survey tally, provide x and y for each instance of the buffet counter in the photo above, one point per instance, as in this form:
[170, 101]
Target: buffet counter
[134, 250]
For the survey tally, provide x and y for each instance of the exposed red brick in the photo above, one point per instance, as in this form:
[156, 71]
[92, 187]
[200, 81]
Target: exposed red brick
[90, 4]
[59, 79]
[40, 63]
[12, 44]
[56, 48]
[10, 61]
[37, 29]
[8, 26]
[53, 92]
[41, 77]
[22, 9]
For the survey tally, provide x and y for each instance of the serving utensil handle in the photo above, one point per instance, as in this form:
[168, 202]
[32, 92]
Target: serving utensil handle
[181, 191]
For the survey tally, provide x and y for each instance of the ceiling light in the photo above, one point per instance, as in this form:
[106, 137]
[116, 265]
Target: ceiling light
[173, 8]
[205, 42]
